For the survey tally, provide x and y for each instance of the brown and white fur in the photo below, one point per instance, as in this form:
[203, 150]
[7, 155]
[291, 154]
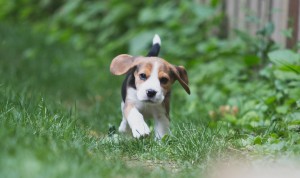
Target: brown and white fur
[146, 91]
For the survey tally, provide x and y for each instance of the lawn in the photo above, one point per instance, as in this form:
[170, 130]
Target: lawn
[59, 104]
[56, 110]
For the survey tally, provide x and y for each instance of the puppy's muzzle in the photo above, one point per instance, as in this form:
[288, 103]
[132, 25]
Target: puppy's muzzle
[151, 93]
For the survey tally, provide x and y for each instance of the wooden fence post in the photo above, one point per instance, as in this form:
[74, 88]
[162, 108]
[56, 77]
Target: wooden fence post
[293, 22]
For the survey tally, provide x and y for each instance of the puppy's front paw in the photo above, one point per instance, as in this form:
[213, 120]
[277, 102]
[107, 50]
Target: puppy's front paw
[137, 124]
[140, 130]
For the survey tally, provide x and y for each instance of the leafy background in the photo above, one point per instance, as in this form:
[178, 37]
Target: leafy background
[56, 89]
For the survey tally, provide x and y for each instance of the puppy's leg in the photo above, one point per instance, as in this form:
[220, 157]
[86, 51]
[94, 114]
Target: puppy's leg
[136, 121]
[124, 125]
[162, 126]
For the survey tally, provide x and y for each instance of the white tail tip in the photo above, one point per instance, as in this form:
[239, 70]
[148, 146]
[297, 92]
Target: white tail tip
[156, 39]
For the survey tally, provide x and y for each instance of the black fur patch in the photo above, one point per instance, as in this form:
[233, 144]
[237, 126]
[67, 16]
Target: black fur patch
[129, 81]
[154, 51]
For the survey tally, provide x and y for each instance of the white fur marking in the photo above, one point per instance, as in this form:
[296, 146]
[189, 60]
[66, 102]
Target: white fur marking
[152, 83]
[131, 95]
[138, 126]
[156, 39]
[124, 125]
[162, 124]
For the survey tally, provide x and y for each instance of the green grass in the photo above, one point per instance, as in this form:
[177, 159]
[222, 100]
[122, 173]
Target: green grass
[56, 106]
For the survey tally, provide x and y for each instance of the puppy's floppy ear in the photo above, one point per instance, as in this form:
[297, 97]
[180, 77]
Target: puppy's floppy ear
[121, 64]
[182, 77]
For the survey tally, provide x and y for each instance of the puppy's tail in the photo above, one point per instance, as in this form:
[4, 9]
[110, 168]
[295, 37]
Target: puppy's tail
[154, 51]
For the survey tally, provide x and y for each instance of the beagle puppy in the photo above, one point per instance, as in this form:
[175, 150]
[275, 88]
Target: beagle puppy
[146, 90]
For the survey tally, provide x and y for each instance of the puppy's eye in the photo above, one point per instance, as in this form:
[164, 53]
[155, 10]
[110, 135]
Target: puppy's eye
[143, 76]
[164, 80]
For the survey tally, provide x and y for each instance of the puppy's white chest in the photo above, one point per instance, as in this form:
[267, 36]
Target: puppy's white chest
[150, 110]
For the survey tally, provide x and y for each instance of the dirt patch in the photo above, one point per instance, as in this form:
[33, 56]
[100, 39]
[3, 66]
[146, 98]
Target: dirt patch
[153, 164]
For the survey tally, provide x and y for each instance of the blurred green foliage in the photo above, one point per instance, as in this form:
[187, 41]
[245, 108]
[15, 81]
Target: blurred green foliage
[107, 28]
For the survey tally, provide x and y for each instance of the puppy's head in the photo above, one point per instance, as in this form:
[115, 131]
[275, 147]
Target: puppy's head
[153, 76]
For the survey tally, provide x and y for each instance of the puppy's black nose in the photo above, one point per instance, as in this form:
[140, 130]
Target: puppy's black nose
[151, 93]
